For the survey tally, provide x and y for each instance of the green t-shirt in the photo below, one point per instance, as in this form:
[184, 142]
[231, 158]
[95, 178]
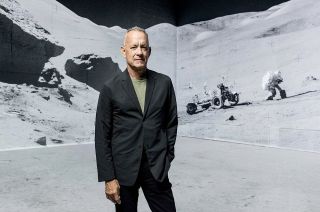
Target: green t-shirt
[140, 89]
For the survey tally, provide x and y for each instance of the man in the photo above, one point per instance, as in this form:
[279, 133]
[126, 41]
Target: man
[136, 127]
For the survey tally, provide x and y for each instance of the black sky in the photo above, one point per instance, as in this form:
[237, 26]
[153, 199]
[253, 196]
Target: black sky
[146, 13]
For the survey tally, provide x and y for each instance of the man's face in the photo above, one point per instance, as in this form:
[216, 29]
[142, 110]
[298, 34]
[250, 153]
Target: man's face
[136, 50]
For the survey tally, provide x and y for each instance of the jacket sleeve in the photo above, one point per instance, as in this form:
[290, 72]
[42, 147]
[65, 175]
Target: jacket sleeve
[103, 135]
[172, 121]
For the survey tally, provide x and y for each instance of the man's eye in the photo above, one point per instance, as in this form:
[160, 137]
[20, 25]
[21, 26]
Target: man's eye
[145, 49]
[134, 47]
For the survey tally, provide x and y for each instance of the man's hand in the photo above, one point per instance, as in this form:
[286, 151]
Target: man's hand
[112, 190]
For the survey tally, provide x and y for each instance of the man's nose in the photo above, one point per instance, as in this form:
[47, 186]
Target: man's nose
[139, 50]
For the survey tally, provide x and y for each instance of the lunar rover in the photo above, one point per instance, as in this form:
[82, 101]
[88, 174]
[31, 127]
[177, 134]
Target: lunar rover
[215, 99]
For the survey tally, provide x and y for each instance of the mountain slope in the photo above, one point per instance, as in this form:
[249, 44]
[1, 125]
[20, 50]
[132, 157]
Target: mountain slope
[238, 50]
[66, 114]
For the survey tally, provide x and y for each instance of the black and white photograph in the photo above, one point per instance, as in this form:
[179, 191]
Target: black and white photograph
[228, 108]
[252, 77]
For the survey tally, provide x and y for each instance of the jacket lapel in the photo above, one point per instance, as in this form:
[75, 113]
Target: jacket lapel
[149, 91]
[128, 87]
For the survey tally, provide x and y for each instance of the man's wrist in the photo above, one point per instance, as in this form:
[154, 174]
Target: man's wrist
[111, 181]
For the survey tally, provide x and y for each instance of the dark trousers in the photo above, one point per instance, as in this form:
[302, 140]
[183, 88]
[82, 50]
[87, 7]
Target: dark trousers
[158, 194]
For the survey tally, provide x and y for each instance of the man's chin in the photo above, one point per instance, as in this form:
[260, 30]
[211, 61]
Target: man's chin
[140, 64]
[139, 68]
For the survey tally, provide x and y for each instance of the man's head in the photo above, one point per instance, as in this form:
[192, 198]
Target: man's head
[136, 49]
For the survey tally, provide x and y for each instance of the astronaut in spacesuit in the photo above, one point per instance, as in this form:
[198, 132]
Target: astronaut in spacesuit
[270, 82]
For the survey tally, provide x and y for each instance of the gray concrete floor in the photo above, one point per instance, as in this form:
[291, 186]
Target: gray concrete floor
[206, 176]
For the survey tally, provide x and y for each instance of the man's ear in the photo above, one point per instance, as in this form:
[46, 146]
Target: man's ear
[123, 51]
[149, 50]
